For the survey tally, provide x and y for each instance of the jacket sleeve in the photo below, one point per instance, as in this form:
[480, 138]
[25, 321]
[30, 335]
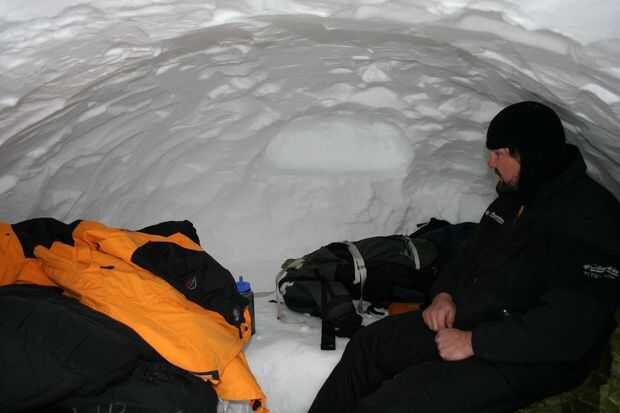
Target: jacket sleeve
[450, 273]
[576, 311]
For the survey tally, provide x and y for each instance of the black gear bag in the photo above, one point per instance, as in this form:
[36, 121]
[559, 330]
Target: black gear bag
[378, 270]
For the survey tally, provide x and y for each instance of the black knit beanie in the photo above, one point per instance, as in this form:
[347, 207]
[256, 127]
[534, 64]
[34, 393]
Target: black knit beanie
[535, 132]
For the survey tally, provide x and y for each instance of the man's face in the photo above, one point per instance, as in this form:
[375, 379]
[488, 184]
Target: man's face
[506, 166]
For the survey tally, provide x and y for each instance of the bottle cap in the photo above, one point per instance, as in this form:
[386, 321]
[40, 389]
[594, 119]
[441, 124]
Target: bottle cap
[243, 286]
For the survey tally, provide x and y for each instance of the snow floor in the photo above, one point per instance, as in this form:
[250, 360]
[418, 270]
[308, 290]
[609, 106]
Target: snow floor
[279, 126]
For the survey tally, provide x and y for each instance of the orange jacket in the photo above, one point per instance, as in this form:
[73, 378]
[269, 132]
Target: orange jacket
[99, 272]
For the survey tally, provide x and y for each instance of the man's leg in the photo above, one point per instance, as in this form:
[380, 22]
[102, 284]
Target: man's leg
[468, 386]
[375, 354]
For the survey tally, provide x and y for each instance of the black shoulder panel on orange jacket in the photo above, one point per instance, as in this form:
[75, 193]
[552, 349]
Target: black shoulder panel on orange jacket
[43, 231]
[167, 228]
[198, 276]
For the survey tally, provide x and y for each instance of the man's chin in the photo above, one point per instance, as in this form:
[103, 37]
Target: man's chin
[504, 187]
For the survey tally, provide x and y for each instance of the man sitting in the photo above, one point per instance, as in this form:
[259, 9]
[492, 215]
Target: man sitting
[521, 311]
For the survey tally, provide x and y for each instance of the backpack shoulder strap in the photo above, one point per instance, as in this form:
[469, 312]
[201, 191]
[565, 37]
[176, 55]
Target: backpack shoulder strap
[360, 272]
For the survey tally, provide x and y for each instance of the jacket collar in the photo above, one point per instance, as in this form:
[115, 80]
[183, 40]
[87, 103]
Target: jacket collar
[575, 169]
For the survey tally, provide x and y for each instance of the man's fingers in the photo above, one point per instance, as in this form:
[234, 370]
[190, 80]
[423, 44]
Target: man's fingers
[445, 319]
[426, 315]
[450, 319]
[442, 346]
[442, 319]
[438, 321]
[426, 318]
[433, 324]
[438, 338]
[453, 344]
[429, 319]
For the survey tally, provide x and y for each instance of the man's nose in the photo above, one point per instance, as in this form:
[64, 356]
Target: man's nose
[491, 161]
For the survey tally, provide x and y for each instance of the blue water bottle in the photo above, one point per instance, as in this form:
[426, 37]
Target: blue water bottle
[245, 289]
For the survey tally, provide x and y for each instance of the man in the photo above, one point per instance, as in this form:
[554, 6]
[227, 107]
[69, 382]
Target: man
[523, 309]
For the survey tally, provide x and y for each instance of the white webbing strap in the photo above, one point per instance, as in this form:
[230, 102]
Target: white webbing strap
[413, 251]
[287, 265]
[360, 273]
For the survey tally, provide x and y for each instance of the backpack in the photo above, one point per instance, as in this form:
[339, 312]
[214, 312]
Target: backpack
[378, 270]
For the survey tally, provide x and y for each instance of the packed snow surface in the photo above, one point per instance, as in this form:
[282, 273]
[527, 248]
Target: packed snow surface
[277, 126]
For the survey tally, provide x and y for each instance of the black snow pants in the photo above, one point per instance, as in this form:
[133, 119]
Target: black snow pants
[392, 366]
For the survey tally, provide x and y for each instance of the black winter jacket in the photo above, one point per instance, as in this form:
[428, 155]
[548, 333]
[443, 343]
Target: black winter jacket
[539, 282]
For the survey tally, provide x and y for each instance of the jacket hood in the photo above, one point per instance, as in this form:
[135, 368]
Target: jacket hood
[554, 177]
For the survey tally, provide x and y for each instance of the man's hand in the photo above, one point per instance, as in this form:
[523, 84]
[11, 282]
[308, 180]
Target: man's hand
[454, 344]
[440, 314]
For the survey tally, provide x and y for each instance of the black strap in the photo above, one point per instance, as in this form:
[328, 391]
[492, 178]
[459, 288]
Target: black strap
[328, 334]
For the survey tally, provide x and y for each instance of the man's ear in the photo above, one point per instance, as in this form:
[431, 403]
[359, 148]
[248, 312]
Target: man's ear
[514, 152]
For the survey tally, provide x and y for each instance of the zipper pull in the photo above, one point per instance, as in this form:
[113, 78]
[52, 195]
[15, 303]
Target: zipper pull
[519, 213]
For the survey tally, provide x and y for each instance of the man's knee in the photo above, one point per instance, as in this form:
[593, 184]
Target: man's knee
[405, 339]
[361, 341]
[380, 329]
